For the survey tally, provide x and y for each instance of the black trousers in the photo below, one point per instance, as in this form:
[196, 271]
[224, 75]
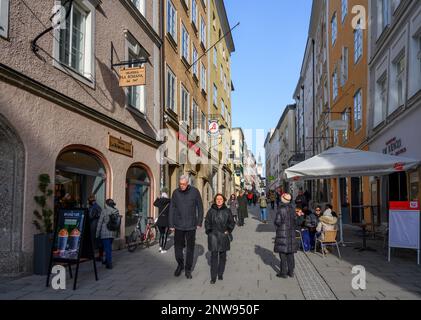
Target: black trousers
[287, 263]
[218, 261]
[184, 239]
[163, 236]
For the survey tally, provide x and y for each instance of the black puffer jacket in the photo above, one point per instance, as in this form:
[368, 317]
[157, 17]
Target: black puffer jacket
[217, 222]
[163, 204]
[186, 209]
[285, 223]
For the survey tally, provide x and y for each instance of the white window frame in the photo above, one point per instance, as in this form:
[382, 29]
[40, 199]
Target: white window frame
[358, 44]
[222, 75]
[185, 43]
[358, 120]
[334, 27]
[335, 84]
[172, 105]
[195, 118]
[4, 18]
[344, 65]
[400, 79]
[88, 75]
[203, 77]
[194, 13]
[133, 46]
[141, 6]
[203, 32]
[380, 103]
[345, 117]
[171, 20]
[195, 62]
[185, 109]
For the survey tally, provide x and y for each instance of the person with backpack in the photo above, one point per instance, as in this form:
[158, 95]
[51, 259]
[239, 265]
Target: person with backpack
[163, 204]
[108, 227]
[263, 205]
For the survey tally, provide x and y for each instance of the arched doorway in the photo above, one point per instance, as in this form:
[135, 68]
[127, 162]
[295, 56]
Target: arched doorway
[138, 197]
[12, 157]
[79, 174]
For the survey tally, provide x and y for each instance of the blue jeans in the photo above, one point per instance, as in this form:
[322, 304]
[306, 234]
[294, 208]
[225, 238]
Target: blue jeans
[108, 248]
[263, 214]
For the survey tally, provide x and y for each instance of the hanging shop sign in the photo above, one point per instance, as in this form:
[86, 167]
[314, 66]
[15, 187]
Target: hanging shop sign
[120, 146]
[132, 77]
[394, 147]
[213, 127]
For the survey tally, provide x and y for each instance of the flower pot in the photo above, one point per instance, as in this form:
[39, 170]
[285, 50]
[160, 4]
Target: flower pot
[42, 252]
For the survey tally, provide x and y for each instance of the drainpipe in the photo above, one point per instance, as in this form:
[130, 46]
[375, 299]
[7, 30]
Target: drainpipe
[163, 167]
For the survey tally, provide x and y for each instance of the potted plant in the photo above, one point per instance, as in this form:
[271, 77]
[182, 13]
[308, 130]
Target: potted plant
[44, 224]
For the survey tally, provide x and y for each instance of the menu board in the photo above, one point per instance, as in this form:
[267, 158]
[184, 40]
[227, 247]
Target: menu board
[69, 233]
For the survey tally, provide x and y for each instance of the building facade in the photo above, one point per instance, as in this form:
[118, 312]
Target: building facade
[237, 148]
[91, 136]
[394, 109]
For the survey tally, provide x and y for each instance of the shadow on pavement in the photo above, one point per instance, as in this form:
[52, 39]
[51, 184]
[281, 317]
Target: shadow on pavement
[268, 258]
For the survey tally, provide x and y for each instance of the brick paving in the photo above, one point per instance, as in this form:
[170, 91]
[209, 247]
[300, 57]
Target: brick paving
[250, 274]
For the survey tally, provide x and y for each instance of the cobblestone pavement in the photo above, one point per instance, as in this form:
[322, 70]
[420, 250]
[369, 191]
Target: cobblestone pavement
[250, 274]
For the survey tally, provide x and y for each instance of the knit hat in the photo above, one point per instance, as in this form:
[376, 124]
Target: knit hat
[286, 198]
[164, 195]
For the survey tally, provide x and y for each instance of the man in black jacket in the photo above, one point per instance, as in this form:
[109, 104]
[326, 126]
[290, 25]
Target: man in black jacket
[186, 215]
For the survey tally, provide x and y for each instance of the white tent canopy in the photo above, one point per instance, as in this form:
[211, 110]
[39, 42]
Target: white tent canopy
[343, 162]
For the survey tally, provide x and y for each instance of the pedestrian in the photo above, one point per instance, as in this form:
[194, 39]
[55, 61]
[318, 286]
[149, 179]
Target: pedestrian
[94, 215]
[272, 199]
[255, 198]
[263, 207]
[219, 225]
[250, 198]
[163, 204]
[233, 205]
[285, 242]
[242, 208]
[186, 216]
[107, 236]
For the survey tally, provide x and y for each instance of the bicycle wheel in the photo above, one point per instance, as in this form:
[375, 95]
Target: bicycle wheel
[132, 242]
[150, 236]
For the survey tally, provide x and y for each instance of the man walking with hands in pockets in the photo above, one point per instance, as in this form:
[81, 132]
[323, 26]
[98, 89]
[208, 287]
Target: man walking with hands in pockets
[186, 215]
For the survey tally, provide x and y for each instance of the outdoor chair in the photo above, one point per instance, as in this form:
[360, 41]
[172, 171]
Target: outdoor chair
[299, 236]
[327, 239]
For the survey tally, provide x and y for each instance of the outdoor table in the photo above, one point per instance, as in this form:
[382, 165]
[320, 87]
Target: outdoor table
[364, 247]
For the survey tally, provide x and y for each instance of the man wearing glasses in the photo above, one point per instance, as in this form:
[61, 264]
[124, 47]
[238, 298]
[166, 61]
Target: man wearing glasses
[186, 215]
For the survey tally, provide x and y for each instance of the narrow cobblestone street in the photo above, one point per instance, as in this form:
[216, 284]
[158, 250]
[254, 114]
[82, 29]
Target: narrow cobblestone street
[250, 275]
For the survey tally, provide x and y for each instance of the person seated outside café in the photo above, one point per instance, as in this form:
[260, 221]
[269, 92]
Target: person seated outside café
[311, 222]
[300, 219]
[328, 222]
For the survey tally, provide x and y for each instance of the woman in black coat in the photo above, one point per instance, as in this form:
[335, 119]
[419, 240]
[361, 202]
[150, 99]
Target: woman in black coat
[163, 204]
[285, 242]
[219, 225]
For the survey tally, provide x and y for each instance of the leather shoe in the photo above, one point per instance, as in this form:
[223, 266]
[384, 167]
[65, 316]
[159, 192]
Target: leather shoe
[220, 278]
[284, 276]
[178, 271]
[291, 274]
[212, 281]
[188, 275]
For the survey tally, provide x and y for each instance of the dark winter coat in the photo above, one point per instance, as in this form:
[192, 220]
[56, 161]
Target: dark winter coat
[163, 204]
[94, 214]
[311, 220]
[233, 205]
[186, 209]
[285, 222]
[217, 222]
[301, 201]
[242, 206]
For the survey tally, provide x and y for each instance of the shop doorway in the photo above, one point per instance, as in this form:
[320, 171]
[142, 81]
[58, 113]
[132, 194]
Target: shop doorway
[357, 210]
[138, 198]
[79, 174]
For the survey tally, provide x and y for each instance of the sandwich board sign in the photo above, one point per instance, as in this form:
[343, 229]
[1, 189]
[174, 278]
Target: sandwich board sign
[72, 241]
[404, 226]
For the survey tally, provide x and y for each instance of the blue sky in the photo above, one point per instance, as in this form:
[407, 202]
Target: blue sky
[270, 44]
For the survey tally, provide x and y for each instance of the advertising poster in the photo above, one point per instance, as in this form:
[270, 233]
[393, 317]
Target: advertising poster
[69, 234]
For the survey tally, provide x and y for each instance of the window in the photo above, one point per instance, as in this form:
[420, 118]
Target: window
[358, 43]
[344, 68]
[196, 120]
[345, 117]
[335, 84]
[233, 142]
[385, 13]
[195, 62]
[185, 43]
[172, 20]
[222, 109]
[334, 29]
[325, 93]
[194, 12]
[171, 90]
[135, 95]
[225, 82]
[4, 18]
[203, 32]
[203, 77]
[358, 110]
[215, 57]
[380, 104]
[400, 80]
[222, 74]
[419, 54]
[140, 5]
[185, 105]
[215, 96]
[335, 137]
[203, 126]
[344, 9]
[75, 41]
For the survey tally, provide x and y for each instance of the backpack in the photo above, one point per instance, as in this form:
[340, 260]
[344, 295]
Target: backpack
[115, 222]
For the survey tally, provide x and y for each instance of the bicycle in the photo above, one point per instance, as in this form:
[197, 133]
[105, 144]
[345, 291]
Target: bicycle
[138, 238]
